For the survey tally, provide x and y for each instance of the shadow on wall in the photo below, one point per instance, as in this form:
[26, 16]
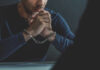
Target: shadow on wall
[71, 10]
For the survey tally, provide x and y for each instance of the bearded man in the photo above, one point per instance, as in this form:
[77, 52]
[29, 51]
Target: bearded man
[28, 28]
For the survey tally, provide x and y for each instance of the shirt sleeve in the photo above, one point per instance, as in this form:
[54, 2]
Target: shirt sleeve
[64, 36]
[10, 45]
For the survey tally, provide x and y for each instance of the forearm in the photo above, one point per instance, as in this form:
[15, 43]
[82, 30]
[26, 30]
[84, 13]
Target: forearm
[11, 44]
[61, 43]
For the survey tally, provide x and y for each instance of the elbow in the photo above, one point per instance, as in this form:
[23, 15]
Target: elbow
[3, 54]
[71, 35]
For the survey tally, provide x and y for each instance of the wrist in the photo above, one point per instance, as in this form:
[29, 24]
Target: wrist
[26, 36]
[52, 37]
[30, 32]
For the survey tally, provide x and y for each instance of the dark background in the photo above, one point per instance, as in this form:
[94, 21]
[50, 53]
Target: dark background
[71, 10]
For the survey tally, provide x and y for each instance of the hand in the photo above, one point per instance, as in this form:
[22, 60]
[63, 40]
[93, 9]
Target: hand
[47, 33]
[36, 27]
[45, 18]
[33, 32]
[42, 20]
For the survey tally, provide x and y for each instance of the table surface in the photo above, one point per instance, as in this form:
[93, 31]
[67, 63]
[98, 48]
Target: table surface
[26, 66]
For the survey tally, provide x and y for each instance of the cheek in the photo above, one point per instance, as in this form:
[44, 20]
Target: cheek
[31, 2]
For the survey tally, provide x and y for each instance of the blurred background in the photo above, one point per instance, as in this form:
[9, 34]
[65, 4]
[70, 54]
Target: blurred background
[71, 10]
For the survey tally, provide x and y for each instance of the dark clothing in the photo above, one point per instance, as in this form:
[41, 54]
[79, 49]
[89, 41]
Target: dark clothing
[12, 44]
[84, 53]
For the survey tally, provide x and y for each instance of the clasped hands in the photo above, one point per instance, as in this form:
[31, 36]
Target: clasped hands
[40, 24]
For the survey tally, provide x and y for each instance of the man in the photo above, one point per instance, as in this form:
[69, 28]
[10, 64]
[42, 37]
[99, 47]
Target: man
[27, 30]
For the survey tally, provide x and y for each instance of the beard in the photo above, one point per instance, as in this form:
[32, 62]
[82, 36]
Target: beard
[29, 11]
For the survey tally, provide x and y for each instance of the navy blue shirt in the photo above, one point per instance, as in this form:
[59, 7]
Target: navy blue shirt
[13, 46]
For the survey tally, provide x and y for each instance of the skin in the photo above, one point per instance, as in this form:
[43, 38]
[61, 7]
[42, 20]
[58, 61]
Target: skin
[38, 18]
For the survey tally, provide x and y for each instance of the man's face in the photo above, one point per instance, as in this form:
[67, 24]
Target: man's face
[34, 5]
